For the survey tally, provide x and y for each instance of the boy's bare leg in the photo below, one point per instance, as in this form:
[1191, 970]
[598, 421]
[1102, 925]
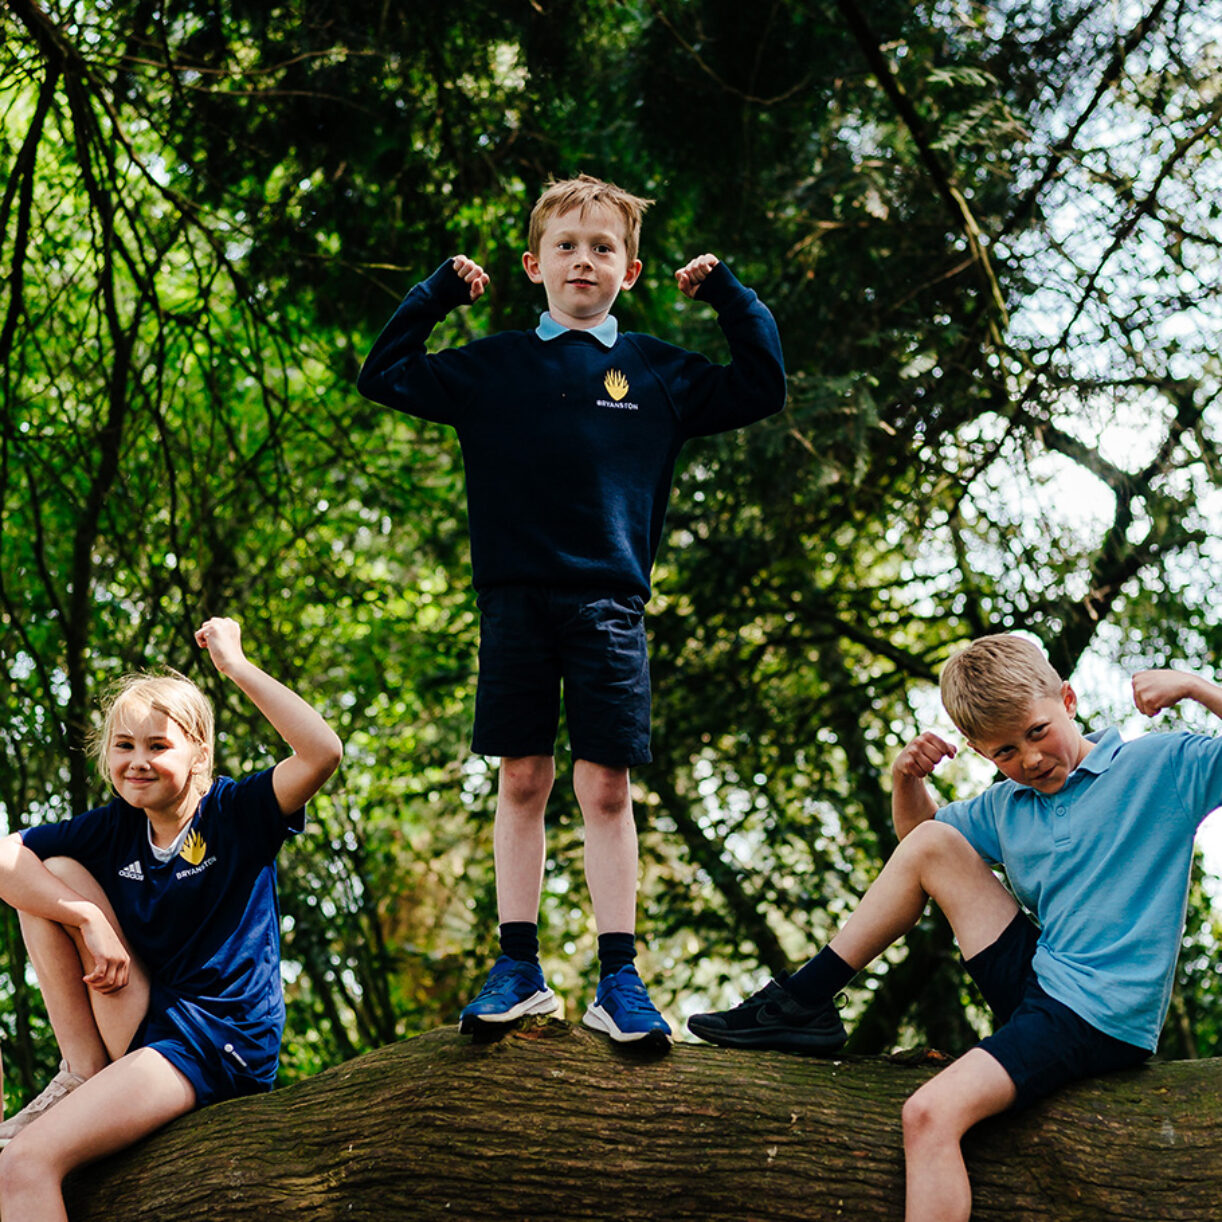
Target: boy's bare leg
[519, 843]
[932, 861]
[936, 861]
[935, 1120]
[605, 799]
[125, 1101]
[91, 1028]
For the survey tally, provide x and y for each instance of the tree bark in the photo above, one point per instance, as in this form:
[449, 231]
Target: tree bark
[552, 1122]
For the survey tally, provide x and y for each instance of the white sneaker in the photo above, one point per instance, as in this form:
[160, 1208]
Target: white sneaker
[60, 1087]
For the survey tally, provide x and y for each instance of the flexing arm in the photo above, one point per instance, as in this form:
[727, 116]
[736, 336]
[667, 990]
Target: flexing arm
[713, 398]
[399, 372]
[316, 748]
[29, 886]
[911, 801]
[1156, 690]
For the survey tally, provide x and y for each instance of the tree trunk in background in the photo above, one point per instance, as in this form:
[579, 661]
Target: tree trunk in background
[551, 1122]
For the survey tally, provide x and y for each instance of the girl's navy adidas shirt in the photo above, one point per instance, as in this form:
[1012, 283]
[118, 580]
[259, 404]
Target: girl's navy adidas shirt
[206, 924]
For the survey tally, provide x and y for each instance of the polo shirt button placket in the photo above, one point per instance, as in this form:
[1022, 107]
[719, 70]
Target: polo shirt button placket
[1061, 834]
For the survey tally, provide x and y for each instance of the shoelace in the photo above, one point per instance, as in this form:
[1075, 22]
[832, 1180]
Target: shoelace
[634, 997]
[54, 1091]
[502, 982]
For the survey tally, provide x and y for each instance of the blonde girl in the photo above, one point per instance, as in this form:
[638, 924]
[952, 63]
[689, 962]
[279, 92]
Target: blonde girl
[153, 925]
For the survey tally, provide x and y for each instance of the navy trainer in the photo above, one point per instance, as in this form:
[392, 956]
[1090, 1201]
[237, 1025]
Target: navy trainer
[623, 1011]
[513, 989]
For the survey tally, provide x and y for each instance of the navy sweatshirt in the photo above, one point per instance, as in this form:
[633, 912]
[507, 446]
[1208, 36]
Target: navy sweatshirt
[569, 447]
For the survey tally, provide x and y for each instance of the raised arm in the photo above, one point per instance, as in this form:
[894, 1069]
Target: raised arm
[399, 372]
[911, 801]
[714, 398]
[316, 748]
[1156, 690]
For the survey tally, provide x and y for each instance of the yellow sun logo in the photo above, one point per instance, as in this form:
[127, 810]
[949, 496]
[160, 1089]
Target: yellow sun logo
[193, 849]
[616, 384]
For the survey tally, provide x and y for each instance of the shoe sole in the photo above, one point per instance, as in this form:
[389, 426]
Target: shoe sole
[773, 1041]
[543, 1002]
[597, 1019]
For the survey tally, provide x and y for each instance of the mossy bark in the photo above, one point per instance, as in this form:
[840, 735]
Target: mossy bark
[551, 1122]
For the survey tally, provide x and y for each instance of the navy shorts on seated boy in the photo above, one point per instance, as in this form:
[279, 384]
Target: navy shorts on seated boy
[1096, 838]
[569, 434]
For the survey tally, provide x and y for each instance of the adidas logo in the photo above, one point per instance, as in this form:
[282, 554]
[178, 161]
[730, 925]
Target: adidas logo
[134, 871]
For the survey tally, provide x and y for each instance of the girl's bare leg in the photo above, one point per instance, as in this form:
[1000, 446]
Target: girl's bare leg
[124, 1102]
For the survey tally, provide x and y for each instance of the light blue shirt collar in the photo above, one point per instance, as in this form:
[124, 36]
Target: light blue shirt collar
[1107, 742]
[606, 332]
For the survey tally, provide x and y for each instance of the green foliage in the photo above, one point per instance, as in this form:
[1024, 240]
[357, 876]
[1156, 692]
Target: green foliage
[984, 232]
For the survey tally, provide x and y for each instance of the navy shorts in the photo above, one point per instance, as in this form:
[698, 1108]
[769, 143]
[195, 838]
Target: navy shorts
[1040, 1042]
[221, 1060]
[536, 641]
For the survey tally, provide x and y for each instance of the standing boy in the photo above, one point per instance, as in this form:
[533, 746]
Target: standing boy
[1095, 835]
[569, 436]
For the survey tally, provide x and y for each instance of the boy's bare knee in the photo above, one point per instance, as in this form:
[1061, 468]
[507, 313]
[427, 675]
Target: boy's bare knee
[932, 840]
[525, 779]
[602, 792]
[914, 1114]
[921, 1117]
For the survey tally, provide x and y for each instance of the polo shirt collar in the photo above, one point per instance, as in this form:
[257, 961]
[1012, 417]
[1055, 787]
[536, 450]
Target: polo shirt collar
[1107, 743]
[606, 332]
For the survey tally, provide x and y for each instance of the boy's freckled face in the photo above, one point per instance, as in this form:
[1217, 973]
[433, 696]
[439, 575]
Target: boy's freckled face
[583, 265]
[1041, 746]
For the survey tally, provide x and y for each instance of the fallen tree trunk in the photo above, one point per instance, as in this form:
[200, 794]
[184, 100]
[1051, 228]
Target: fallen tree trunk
[552, 1122]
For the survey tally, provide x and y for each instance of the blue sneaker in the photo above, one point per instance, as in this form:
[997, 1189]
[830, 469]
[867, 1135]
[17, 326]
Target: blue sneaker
[513, 989]
[623, 1011]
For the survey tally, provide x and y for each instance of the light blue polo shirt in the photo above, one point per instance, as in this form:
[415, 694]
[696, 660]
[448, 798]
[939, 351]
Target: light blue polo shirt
[1104, 865]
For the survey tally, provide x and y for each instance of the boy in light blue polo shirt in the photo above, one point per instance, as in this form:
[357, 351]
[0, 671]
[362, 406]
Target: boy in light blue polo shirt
[1095, 835]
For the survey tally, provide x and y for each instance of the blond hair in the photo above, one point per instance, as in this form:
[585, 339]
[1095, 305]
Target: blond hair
[993, 680]
[582, 192]
[167, 692]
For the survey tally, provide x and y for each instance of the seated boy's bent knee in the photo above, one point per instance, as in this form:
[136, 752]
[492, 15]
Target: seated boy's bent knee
[918, 1114]
[932, 1113]
[936, 839]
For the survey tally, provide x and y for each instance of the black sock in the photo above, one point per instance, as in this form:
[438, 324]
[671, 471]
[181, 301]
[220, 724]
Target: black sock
[615, 950]
[821, 979]
[520, 940]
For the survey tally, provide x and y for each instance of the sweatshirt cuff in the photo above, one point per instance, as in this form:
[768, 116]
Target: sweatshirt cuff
[447, 288]
[721, 288]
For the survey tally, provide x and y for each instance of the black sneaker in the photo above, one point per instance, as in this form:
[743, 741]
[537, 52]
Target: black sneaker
[773, 1019]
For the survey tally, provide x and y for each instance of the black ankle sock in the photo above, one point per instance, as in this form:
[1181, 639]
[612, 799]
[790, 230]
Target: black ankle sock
[615, 950]
[520, 940]
[821, 979]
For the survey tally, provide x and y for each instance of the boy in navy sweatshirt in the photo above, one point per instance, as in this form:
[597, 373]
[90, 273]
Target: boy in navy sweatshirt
[569, 436]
